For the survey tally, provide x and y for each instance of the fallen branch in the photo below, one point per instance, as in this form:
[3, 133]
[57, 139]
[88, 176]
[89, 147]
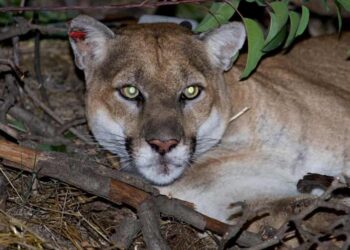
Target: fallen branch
[51, 113]
[39, 103]
[235, 231]
[150, 219]
[125, 233]
[9, 131]
[39, 130]
[91, 177]
[35, 125]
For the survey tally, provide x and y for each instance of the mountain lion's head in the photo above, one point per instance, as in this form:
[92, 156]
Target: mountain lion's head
[155, 93]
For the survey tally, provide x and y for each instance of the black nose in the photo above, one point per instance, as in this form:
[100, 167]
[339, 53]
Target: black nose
[163, 147]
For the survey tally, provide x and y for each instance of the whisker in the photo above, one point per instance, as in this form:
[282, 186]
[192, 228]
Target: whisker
[206, 138]
[127, 165]
[110, 133]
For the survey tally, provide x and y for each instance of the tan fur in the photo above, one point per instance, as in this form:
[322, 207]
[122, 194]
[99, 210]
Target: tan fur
[305, 95]
[298, 118]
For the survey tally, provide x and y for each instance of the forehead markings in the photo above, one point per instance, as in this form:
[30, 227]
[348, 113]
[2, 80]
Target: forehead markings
[155, 46]
[158, 50]
[159, 57]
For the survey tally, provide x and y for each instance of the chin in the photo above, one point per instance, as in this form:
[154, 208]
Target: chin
[161, 175]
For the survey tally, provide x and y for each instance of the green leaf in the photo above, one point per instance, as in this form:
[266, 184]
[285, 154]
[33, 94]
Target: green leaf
[255, 45]
[6, 18]
[219, 13]
[261, 2]
[304, 20]
[69, 135]
[345, 4]
[279, 19]
[340, 20]
[277, 40]
[51, 16]
[294, 19]
[190, 11]
[18, 125]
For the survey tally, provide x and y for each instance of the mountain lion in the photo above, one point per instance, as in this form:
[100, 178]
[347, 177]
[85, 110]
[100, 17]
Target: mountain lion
[169, 105]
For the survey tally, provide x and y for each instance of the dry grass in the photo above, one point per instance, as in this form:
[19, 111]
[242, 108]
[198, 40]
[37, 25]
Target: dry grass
[51, 215]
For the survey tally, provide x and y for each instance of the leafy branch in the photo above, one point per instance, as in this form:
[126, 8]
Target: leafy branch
[281, 33]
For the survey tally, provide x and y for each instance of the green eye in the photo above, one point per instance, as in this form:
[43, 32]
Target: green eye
[191, 92]
[129, 92]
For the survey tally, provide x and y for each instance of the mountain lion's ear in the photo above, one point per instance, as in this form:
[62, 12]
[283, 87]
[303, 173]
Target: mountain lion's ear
[88, 38]
[224, 43]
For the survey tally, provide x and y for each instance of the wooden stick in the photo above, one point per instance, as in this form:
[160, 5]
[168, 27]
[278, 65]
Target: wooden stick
[149, 216]
[125, 232]
[20, 155]
[3, 193]
[141, 4]
[98, 180]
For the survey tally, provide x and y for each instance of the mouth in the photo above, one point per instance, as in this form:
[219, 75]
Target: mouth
[159, 168]
[164, 168]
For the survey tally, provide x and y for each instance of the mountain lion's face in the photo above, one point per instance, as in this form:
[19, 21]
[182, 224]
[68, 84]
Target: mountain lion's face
[155, 93]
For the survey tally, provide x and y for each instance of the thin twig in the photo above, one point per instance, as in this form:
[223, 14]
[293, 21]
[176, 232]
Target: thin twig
[11, 184]
[215, 17]
[39, 103]
[25, 27]
[19, 224]
[8, 96]
[37, 62]
[16, 56]
[70, 124]
[50, 112]
[95, 228]
[13, 66]
[233, 7]
[234, 231]
[52, 140]
[143, 4]
[36, 126]
[335, 185]
[240, 113]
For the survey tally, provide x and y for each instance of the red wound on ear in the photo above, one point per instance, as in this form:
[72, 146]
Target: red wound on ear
[77, 35]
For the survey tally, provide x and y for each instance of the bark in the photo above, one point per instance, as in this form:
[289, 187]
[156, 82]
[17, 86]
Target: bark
[150, 220]
[125, 233]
